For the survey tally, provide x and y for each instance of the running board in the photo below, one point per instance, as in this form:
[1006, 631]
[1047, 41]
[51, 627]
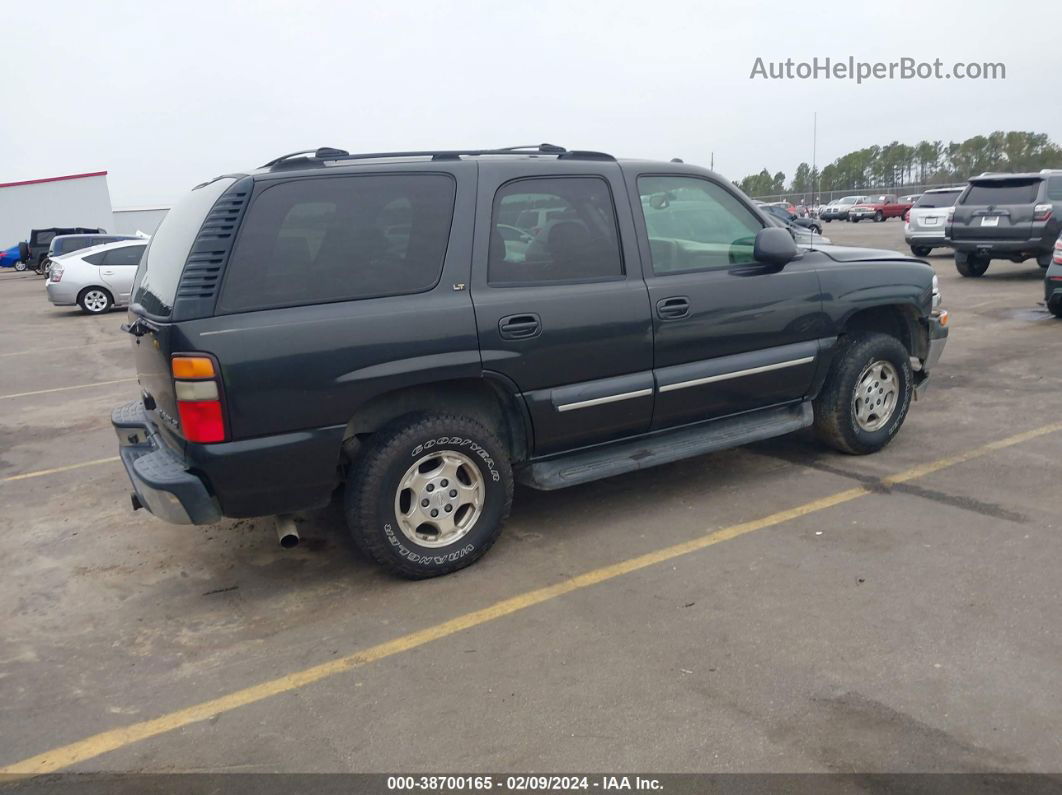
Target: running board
[665, 447]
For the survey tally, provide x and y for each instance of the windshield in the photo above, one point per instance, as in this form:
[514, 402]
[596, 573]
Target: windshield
[160, 269]
[941, 199]
[850, 200]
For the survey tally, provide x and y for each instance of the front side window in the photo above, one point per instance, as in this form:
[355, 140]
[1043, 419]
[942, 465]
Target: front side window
[560, 229]
[320, 240]
[695, 224]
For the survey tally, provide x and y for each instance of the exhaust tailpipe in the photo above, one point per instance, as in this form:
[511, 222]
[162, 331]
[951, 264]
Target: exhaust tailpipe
[287, 532]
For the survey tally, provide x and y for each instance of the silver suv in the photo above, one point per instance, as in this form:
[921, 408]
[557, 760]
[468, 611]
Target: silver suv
[926, 227]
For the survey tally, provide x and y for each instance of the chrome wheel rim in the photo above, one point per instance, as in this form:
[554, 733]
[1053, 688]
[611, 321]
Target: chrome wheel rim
[876, 393]
[439, 499]
[95, 301]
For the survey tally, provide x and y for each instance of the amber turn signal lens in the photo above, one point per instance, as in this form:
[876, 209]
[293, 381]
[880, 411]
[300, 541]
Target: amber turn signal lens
[193, 367]
[943, 317]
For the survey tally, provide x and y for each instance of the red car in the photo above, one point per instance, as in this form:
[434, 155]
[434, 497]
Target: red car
[879, 208]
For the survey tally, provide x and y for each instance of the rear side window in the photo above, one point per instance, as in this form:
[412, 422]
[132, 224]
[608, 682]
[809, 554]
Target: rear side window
[566, 232]
[942, 199]
[1003, 191]
[156, 281]
[126, 255]
[329, 239]
[1054, 189]
[95, 259]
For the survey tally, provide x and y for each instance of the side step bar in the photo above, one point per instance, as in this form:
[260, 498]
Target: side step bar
[665, 447]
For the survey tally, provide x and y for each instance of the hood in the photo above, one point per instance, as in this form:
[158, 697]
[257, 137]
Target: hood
[856, 254]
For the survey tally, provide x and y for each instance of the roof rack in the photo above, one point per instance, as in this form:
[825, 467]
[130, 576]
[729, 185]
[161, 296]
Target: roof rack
[327, 153]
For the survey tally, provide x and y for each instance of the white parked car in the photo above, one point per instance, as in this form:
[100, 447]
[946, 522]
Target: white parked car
[96, 279]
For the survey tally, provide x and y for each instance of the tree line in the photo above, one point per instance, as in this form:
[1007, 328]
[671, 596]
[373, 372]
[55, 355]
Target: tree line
[925, 163]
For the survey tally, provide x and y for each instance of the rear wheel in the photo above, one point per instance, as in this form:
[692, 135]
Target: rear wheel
[1044, 260]
[95, 301]
[879, 216]
[816, 229]
[429, 497]
[866, 395]
[973, 265]
[921, 251]
[20, 265]
[1055, 308]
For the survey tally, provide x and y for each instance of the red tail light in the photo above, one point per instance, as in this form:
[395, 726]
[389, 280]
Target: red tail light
[197, 385]
[1042, 212]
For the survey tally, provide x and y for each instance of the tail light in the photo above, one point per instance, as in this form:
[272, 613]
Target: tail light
[57, 274]
[1058, 252]
[197, 386]
[1042, 212]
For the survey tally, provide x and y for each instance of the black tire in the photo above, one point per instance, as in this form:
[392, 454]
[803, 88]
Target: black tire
[827, 220]
[1044, 260]
[816, 229]
[1055, 308]
[373, 491]
[42, 268]
[921, 251]
[972, 266]
[95, 301]
[879, 216]
[20, 265]
[835, 407]
[855, 220]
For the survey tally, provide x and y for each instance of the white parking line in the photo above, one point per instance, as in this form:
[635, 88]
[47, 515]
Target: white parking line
[39, 351]
[68, 467]
[65, 388]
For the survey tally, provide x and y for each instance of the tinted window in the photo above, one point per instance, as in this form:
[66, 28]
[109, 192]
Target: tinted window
[942, 199]
[1003, 191]
[1054, 189]
[156, 282]
[695, 224]
[340, 238]
[95, 259]
[126, 255]
[576, 241]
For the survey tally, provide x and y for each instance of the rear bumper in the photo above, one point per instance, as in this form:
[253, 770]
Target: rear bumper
[926, 238]
[1032, 246]
[61, 294]
[160, 479]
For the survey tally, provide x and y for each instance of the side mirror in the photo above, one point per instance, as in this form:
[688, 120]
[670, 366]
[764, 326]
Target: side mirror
[774, 246]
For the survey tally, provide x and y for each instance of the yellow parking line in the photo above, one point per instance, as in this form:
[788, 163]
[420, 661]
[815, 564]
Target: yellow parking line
[67, 468]
[65, 388]
[40, 351]
[104, 742]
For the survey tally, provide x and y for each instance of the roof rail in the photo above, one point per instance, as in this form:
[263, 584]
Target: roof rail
[330, 154]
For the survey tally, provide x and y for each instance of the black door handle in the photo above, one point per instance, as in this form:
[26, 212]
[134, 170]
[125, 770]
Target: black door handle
[673, 308]
[520, 327]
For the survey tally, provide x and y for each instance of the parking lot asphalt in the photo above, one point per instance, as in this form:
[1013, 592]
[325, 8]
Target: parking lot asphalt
[779, 607]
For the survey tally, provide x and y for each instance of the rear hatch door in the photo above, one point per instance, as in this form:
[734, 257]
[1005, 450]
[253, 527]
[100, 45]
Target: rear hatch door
[996, 209]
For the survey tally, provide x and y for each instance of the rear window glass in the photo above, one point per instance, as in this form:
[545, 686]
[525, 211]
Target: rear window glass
[156, 281]
[1003, 191]
[340, 238]
[942, 199]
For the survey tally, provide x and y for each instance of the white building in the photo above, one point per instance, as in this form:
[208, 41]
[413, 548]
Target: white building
[68, 201]
[130, 220]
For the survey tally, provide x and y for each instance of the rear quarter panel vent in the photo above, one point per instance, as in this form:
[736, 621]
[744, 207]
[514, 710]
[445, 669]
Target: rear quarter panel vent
[197, 291]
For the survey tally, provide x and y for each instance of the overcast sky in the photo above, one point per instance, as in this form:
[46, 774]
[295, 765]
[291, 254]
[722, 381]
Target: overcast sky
[164, 95]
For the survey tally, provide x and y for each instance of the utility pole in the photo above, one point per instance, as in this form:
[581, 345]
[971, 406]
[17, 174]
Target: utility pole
[814, 155]
[712, 161]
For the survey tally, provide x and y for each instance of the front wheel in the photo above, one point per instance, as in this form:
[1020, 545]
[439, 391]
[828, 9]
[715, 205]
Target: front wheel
[855, 220]
[866, 395]
[95, 301]
[879, 216]
[429, 496]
